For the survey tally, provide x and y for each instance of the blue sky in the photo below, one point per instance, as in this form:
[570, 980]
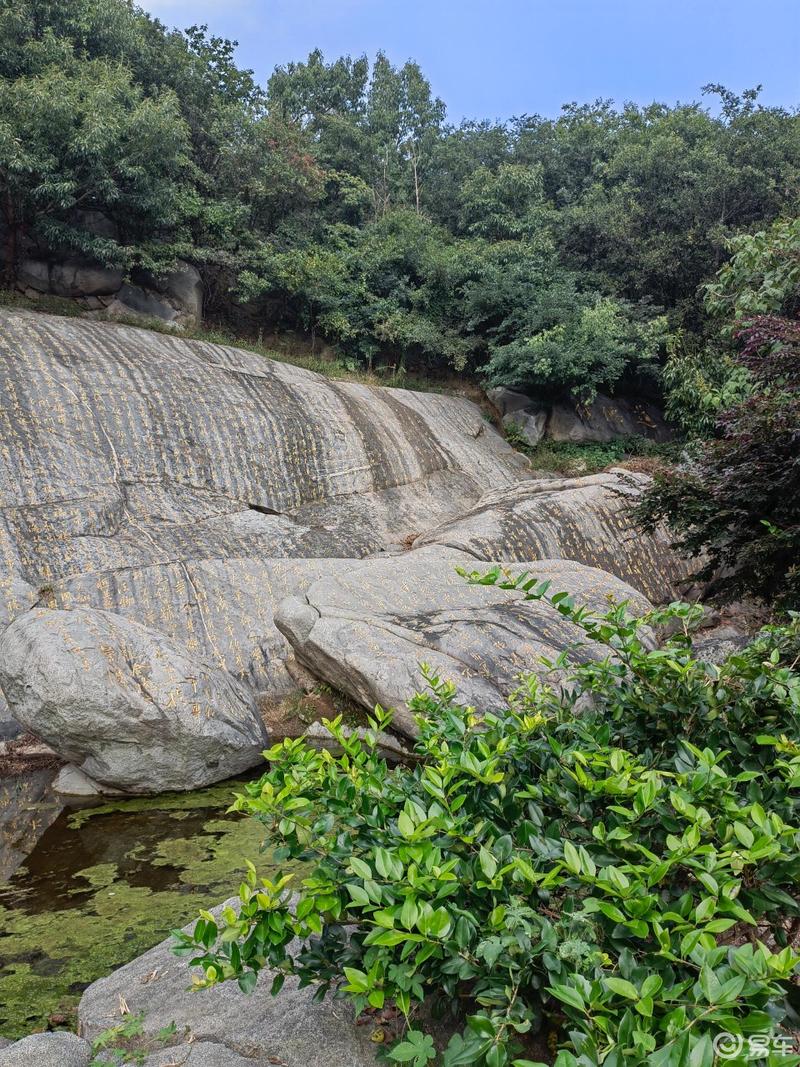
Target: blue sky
[497, 58]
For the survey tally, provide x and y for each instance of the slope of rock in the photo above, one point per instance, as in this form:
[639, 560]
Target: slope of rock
[187, 488]
[584, 519]
[159, 498]
[292, 1030]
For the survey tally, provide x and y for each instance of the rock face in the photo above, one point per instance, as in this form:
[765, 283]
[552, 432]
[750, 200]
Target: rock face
[124, 703]
[160, 498]
[179, 490]
[260, 1029]
[367, 629]
[584, 519]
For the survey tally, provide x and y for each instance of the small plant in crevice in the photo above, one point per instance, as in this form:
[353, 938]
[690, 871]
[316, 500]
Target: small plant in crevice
[614, 855]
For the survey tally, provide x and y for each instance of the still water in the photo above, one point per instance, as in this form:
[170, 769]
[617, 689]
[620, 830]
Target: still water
[93, 887]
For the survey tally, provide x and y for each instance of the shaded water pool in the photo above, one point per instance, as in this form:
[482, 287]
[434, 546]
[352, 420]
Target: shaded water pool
[102, 884]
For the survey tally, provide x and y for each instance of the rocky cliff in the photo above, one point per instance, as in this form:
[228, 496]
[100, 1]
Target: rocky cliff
[159, 498]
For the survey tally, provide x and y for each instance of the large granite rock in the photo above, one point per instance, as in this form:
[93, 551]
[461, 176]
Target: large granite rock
[584, 519]
[186, 488]
[128, 706]
[291, 1029]
[366, 629]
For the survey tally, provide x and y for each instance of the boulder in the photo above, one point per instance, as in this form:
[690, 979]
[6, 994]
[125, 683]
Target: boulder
[367, 629]
[79, 279]
[606, 419]
[58, 1049]
[508, 401]
[128, 706]
[291, 1029]
[530, 423]
[34, 274]
[584, 519]
[183, 288]
[133, 298]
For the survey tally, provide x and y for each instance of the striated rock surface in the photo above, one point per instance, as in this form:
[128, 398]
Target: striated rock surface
[180, 490]
[583, 519]
[366, 629]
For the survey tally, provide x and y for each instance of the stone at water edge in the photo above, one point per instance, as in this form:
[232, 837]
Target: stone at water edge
[290, 1029]
[58, 1049]
[125, 704]
[366, 630]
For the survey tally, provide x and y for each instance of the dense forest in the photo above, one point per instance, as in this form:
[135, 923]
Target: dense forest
[560, 254]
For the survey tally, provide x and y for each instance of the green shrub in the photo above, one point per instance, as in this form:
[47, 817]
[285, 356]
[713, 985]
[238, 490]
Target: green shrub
[614, 854]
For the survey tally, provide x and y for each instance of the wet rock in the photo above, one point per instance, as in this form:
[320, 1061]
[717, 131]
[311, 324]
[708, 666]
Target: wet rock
[584, 519]
[58, 1049]
[365, 630]
[290, 1029]
[128, 706]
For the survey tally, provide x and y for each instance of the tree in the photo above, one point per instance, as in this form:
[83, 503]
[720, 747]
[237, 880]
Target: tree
[82, 136]
[737, 504]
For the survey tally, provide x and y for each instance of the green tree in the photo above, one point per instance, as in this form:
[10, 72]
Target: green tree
[81, 135]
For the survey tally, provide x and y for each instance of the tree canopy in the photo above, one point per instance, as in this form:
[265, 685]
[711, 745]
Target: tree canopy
[556, 253]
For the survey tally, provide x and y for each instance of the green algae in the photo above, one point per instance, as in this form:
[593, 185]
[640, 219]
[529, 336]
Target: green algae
[105, 884]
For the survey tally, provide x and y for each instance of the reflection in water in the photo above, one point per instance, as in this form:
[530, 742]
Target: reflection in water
[102, 885]
[27, 807]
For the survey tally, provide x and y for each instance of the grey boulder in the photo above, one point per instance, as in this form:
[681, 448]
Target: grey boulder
[58, 1049]
[606, 419]
[530, 423]
[290, 1029]
[130, 707]
[76, 278]
[366, 630]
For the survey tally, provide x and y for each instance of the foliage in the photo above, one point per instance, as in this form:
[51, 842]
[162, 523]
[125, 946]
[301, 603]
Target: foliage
[738, 502]
[556, 254]
[623, 868]
[574, 458]
[762, 277]
[700, 380]
[589, 348]
[125, 1043]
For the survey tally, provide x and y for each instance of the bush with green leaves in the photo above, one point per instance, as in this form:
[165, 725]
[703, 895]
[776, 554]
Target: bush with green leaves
[614, 855]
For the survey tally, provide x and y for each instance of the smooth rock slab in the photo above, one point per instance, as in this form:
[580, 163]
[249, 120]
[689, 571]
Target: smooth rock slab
[289, 1029]
[584, 519]
[127, 705]
[366, 630]
[47, 1050]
